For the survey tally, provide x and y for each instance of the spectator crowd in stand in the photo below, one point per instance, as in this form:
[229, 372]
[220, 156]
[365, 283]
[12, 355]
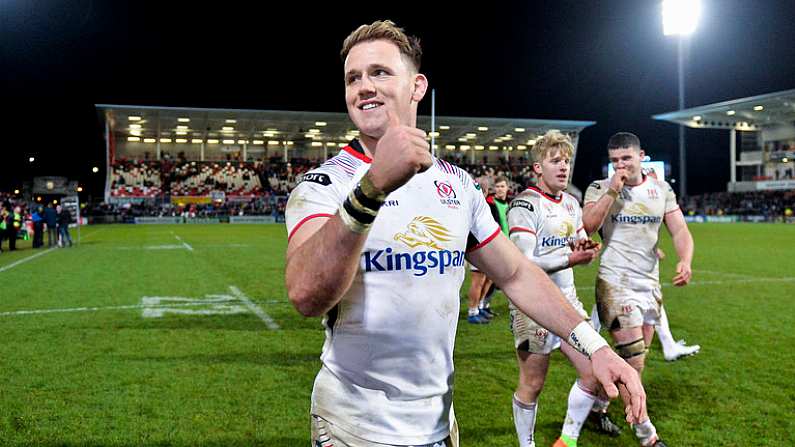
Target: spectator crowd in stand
[261, 187]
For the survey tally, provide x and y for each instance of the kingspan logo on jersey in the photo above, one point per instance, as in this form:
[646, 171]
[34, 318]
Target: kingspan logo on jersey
[636, 214]
[565, 236]
[423, 232]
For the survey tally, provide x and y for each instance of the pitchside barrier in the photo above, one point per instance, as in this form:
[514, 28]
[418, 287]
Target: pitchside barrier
[210, 220]
[734, 218]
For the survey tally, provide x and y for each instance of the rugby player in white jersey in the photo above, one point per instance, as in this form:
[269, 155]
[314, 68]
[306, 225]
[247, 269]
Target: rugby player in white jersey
[546, 224]
[378, 238]
[629, 208]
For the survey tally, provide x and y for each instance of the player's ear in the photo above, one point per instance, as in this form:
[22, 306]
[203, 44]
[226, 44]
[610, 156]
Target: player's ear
[537, 167]
[642, 154]
[420, 87]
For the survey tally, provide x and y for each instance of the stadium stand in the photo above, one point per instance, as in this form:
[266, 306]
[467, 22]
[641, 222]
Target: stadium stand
[133, 178]
[764, 205]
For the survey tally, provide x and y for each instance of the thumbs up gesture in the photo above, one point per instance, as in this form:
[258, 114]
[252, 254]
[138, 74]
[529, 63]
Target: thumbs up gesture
[401, 152]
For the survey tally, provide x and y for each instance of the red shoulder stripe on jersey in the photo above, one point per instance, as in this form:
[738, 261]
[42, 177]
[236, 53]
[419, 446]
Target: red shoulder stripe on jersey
[357, 154]
[581, 228]
[304, 220]
[485, 241]
[677, 209]
[520, 230]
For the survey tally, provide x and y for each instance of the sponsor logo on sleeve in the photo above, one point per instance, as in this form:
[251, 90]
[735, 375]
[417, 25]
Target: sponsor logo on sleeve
[317, 177]
[519, 203]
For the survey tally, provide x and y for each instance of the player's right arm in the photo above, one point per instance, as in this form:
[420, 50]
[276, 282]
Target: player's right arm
[323, 252]
[599, 201]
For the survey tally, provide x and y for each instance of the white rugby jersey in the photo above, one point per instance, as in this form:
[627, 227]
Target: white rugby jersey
[387, 372]
[543, 226]
[630, 231]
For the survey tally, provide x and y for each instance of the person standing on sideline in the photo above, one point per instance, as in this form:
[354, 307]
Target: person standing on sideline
[64, 219]
[51, 219]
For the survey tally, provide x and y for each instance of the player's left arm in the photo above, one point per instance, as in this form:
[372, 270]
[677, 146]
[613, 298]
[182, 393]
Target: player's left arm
[683, 244]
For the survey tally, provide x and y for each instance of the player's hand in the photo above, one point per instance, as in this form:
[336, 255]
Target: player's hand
[400, 154]
[618, 378]
[583, 252]
[618, 179]
[683, 274]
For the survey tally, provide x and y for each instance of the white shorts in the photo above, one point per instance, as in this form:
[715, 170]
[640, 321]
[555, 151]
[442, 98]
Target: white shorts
[530, 336]
[326, 434]
[621, 307]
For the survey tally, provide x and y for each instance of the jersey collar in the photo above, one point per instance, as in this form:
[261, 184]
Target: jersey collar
[547, 196]
[355, 148]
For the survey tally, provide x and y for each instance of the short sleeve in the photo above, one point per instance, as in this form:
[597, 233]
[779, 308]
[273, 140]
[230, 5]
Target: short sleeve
[319, 194]
[670, 198]
[594, 192]
[522, 217]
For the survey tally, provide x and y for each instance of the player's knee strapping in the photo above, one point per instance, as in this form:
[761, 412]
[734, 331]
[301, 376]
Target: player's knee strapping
[631, 349]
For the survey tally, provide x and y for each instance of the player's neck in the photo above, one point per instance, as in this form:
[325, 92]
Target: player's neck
[368, 142]
[542, 185]
[635, 181]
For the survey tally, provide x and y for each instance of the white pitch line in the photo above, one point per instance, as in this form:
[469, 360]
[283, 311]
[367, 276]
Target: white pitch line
[131, 306]
[272, 325]
[184, 244]
[712, 272]
[24, 260]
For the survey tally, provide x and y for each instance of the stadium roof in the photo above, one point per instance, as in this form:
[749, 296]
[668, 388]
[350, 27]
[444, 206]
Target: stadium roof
[752, 113]
[260, 126]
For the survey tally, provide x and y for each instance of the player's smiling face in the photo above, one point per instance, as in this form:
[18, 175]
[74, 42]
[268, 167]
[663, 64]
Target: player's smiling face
[554, 172]
[379, 78]
[627, 158]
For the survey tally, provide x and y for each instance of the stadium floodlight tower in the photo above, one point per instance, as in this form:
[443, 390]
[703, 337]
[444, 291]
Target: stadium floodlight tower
[680, 18]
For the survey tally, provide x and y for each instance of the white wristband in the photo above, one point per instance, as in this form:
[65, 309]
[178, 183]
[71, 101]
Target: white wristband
[585, 339]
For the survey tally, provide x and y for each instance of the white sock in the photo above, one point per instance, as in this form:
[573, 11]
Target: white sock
[597, 325]
[645, 432]
[580, 403]
[524, 418]
[473, 311]
[664, 333]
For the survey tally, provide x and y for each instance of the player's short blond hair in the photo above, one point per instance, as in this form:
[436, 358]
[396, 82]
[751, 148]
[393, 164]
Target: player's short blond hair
[551, 143]
[409, 46]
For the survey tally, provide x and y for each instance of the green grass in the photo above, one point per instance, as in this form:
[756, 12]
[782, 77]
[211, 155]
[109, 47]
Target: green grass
[110, 377]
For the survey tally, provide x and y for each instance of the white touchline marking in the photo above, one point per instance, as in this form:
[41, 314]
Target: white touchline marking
[184, 244]
[131, 306]
[713, 272]
[178, 247]
[272, 325]
[154, 247]
[24, 260]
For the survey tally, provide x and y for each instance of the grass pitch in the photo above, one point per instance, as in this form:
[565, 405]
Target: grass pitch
[182, 335]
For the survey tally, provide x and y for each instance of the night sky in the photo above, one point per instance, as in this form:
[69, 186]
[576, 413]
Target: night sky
[605, 61]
